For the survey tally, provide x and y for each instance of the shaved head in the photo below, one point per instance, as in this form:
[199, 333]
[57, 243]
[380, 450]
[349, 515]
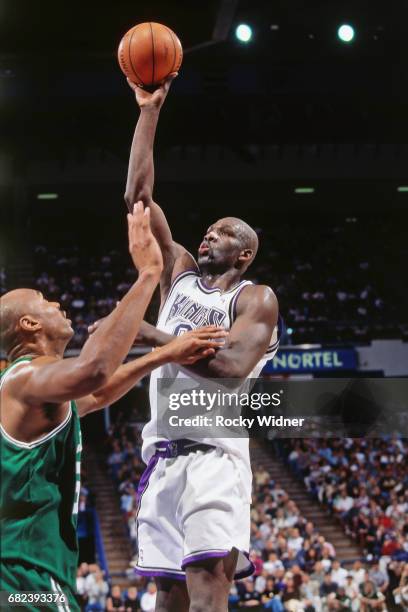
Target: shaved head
[14, 305]
[229, 244]
[247, 236]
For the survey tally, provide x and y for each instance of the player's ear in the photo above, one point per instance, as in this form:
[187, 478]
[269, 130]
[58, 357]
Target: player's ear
[28, 323]
[246, 256]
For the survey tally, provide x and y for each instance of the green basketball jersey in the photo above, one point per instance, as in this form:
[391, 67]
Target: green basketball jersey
[39, 494]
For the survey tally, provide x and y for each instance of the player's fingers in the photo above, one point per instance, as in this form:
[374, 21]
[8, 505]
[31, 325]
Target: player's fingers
[202, 342]
[201, 355]
[219, 333]
[132, 85]
[138, 216]
[210, 329]
[146, 220]
[168, 81]
[130, 228]
[207, 353]
[92, 328]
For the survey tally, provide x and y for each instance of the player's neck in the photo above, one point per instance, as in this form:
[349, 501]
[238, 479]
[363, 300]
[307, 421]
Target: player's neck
[223, 281]
[40, 348]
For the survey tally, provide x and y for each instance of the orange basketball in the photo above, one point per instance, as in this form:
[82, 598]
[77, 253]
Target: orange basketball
[149, 52]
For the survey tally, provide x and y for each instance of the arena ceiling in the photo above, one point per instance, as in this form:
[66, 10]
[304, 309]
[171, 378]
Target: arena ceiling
[295, 82]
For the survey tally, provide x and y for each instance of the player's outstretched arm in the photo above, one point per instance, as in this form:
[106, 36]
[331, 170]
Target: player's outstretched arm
[52, 380]
[140, 181]
[148, 334]
[186, 349]
[249, 336]
[140, 178]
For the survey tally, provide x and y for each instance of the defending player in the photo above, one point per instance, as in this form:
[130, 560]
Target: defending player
[193, 520]
[42, 398]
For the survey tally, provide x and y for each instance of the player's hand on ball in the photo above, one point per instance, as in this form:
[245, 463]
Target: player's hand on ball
[155, 99]
[197, 344]
[143, 246]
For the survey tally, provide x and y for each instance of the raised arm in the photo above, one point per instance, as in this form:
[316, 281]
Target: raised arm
[248, 339]
[51, 380]
[140, 181]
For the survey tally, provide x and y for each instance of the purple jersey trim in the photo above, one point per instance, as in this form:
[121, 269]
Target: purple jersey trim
[233, 303]
[244, 573]
[248, 571]
[173, 575]
[179, 276]
[144, 480]
[207, 289]
[159, 573]
[204, 555]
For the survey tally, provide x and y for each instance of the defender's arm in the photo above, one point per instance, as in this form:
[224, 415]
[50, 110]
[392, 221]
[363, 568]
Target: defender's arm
[185, 349]
[50, 380]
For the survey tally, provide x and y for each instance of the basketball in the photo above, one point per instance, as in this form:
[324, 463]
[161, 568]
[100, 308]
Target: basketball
[148, 53]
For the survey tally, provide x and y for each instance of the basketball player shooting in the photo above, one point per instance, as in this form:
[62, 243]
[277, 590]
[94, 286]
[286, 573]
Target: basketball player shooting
[194, 509]
[42, 398]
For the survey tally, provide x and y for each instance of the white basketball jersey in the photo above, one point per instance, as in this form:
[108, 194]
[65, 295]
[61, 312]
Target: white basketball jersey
[191, 304]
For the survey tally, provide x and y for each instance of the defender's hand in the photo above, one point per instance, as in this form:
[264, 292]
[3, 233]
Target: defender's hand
[194, 345]
[94, 326]
[155, 99]
[143, 246]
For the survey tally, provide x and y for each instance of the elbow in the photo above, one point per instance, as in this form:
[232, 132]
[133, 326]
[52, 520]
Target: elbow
[94, 374]
[226, 368]
[100, 375]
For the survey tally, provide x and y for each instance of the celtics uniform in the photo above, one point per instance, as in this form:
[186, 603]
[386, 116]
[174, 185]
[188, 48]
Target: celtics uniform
[39, 494]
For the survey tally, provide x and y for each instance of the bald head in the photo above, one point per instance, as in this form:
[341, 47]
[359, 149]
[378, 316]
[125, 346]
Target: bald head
[245, 233]
[13, 306]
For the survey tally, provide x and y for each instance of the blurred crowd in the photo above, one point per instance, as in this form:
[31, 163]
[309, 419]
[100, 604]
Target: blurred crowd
[362, 482]
[332, 278]
[296, 568]
[96, 595]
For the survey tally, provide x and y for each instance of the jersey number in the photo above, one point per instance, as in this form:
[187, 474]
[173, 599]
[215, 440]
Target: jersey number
[182, 329]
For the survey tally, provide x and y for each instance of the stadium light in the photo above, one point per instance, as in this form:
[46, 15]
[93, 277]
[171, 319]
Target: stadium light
[47, 196]
[346, 33]
[304, 190]
[243, 32]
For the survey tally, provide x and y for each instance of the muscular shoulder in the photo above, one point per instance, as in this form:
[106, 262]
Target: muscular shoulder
[18, 376]
[259, 301]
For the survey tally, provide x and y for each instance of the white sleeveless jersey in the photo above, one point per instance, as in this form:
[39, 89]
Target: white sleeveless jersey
[191, 304]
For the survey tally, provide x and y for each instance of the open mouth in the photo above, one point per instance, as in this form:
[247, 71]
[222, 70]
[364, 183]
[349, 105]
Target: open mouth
[204, 249]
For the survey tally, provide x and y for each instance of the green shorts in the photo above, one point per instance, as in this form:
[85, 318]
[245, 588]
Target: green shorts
[15, 578]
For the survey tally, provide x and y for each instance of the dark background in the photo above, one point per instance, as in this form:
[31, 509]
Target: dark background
[243, 126]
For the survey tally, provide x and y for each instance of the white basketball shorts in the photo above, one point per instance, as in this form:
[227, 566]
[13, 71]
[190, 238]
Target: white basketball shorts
[192, 507]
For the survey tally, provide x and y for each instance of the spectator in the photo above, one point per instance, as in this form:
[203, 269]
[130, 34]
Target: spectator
[371, 597]
[148, 600]
[132, 603]
[115, 602]
[97, 593]
[82, 574]
[378, 577]
[339, 574]
[250, 597]
[328, 586]
[341, 601]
